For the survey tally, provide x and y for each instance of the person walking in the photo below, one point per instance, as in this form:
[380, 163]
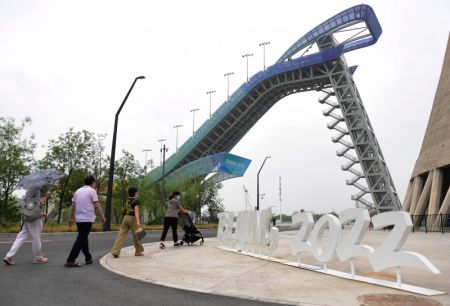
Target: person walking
[171, 218]
[31, 226]
[84, 203]
[130, 221]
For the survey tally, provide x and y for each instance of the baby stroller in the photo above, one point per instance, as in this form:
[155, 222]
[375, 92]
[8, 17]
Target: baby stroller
[191, 233]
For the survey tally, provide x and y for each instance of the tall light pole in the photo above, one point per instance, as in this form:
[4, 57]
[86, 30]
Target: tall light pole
[246, 197]
[163, 189]
[145, 164]
[246, 56]
[107, 225]
[193, 119]
[160, 150]
[210, 93]
[257, 183]
[228, 83]
[264, 44]
[176, 142]
[281, 215]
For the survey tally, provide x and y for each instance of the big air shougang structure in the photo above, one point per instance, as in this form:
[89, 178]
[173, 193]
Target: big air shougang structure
[428, 191]
[315, 62]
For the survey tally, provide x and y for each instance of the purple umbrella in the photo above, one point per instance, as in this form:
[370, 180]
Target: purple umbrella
[40, 179]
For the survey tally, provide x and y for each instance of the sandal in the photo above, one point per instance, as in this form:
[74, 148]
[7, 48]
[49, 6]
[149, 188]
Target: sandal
[161, 245]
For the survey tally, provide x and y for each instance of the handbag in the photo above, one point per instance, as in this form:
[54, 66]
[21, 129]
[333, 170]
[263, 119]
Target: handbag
[31, 211]
[140, 234]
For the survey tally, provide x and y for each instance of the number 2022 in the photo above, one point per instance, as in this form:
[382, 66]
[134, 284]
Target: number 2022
[387, 255]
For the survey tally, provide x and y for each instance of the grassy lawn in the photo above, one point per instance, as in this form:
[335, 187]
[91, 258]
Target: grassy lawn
[97, 227]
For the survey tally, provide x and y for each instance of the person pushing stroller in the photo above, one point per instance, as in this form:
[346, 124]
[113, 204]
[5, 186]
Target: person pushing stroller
[171, 218]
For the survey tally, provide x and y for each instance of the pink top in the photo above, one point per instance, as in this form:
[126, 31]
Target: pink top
[84, 199]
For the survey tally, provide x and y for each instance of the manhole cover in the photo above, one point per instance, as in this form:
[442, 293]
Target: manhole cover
[395, 300]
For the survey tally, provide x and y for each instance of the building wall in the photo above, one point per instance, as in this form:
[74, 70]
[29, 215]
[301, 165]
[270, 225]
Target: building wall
[428, 191]
[435, 151]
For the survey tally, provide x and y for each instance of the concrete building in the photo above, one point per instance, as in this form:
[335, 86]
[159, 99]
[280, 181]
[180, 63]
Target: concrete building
[428, 191]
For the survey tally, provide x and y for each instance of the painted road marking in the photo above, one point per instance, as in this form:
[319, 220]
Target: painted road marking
[28, 241]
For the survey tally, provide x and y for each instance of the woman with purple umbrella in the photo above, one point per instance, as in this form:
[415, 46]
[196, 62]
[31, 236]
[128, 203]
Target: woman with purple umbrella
[31, 227]
[32, 215]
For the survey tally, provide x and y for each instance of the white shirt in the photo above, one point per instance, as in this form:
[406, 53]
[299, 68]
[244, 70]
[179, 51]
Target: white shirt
[84, 199]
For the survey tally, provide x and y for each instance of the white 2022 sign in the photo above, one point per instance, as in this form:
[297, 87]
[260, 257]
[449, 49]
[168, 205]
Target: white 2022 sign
[252, 229]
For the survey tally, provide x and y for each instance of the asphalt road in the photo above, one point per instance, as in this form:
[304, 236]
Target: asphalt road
[26, 283]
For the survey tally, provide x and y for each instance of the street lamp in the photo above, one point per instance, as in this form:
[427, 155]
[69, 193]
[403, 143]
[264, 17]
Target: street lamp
[176, 143]
[193, 119]
[228, 83]
[160, 150]
[246, 56]
[257, 183]
[163, 189]
[145, 164]
[107, 225]
[210, 93]
[264, 44]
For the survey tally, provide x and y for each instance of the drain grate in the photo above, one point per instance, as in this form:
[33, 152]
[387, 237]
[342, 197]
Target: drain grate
[395, 300]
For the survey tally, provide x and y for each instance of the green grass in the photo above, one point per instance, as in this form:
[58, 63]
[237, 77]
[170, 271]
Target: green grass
[97, 227]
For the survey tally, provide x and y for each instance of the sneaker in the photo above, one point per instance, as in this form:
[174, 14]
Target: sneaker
[40, 260]
[176, 244]
[8, 260]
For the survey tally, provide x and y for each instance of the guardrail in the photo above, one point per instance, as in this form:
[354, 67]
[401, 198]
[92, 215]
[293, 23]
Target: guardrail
[431, 223]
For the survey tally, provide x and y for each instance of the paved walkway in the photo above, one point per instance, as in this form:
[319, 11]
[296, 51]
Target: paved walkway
[212, 270]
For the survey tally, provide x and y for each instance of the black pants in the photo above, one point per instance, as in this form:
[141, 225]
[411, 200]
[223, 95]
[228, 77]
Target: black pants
[82, 242]
[170, 222]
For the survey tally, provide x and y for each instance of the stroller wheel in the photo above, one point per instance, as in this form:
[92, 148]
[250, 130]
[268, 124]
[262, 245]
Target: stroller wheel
[201, 242]
[181, 242]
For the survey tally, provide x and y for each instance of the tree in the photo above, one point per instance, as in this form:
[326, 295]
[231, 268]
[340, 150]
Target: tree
[210, 198]
[69, 153]
[149, 197]
[16, 160]
[99, 163]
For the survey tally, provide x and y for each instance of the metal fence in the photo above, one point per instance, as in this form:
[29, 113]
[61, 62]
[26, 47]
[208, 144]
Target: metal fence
[431, 223]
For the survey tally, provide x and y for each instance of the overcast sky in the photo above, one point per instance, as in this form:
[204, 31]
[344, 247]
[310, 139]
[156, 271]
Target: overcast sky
[70, 64]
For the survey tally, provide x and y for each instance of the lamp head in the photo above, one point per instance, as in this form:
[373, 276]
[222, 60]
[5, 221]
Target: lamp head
[140, 77]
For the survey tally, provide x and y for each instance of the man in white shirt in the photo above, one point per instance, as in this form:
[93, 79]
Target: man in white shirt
[84, 203]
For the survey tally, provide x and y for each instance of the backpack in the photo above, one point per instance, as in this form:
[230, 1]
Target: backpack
[31, 210]
[127, 208]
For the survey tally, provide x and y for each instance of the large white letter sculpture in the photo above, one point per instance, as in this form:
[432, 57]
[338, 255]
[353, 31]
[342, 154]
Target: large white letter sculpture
[251, 230]
[226, 227]
[387, 255]
[300, 243]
